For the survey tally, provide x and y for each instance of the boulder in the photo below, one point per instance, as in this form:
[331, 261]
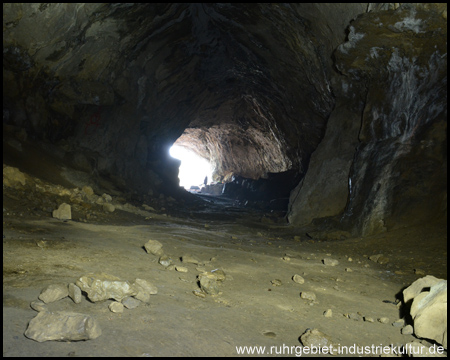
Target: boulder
[64, 212]
[429, 308]
[103, 286]
[62, 326]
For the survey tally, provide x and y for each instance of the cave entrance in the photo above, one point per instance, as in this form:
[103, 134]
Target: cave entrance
[194, 169]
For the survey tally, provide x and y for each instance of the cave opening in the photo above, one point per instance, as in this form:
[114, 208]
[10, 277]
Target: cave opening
[195, 171]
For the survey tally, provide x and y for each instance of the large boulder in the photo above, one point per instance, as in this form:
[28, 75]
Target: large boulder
[429, 308]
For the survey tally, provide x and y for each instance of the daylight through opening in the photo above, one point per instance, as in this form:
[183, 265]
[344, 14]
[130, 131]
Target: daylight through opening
[195, 172]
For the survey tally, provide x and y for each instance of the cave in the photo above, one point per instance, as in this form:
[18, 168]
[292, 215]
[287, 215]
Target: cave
[326, 129]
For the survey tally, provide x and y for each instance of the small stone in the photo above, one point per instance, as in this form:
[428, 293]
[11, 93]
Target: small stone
[308, 295]
[181, 269]
[399, 323]
[298, 279]
[286, 258]
[328, 313]
[108, 207]
[63, 212]
[348, 270]
[116, 307]
[420, 272]
[154, 247]
[369, 319]
[144, 289]
[165, 261]
[188, 259]
[330, 262]
[87, 190]
[276, 282]
[408, 330]
[315, 338]
[208, 283]
[130, 302]
[75, 293]
[38, 306]
[199, 293]
[383, 320]
[218, 274]
[379, 258]
[107, 197]
[350, 259]
[53, 293]
[355, 316]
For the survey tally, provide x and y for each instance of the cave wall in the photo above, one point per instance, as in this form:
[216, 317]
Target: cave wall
[115, 85]
[394, 96]
[352, 94]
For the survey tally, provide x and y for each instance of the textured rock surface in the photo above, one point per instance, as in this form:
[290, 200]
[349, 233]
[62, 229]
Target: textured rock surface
[62, 326]
[429, 308]
[397, 126]
[101, 287]
[256, 89]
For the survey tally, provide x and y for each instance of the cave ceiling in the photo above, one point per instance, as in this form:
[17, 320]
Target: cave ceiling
[249, 85]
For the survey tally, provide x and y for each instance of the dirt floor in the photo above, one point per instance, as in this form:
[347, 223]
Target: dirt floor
[259, 303]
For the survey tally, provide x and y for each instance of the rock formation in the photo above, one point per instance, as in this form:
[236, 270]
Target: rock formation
[352, 95]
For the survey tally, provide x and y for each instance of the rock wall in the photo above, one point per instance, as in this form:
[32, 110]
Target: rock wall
[395, 69]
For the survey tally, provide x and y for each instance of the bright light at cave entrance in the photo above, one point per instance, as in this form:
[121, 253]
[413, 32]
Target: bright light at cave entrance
[193, 168]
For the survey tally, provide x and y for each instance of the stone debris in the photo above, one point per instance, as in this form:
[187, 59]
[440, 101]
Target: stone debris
[383, 320]
[103, 286]
[116, 307]
[154, 247]
[144, 289]
[298, 279]
[181, 269]
[399, 323]
[429, 308]
[328, 313]
[165, 261]
[75, 293]
[308, 295]
[276, 282]
[109, 207]
[38, 306]
[63, 212]
[130, 302]
[209, 281]
[354, 316]
[13, 176]
[369, 319]
[314, 337]
[379, 258]
[53, 293]
[62, 326]
[188, 259]
[87, 190]
[408, 330]
[330, 262]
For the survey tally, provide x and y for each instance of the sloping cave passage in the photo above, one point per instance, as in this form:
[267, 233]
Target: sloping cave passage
[325, 123]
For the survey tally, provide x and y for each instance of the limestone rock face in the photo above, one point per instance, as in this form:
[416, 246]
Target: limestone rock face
[352, 95]
[397, 129]
[249, 85]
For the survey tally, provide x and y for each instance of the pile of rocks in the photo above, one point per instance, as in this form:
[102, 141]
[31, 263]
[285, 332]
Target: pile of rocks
[72, 326]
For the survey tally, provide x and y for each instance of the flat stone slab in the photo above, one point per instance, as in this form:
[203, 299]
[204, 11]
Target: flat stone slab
[62, 326]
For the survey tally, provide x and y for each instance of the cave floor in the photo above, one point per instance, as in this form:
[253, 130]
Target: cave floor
[249, 311]
[258, 305]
